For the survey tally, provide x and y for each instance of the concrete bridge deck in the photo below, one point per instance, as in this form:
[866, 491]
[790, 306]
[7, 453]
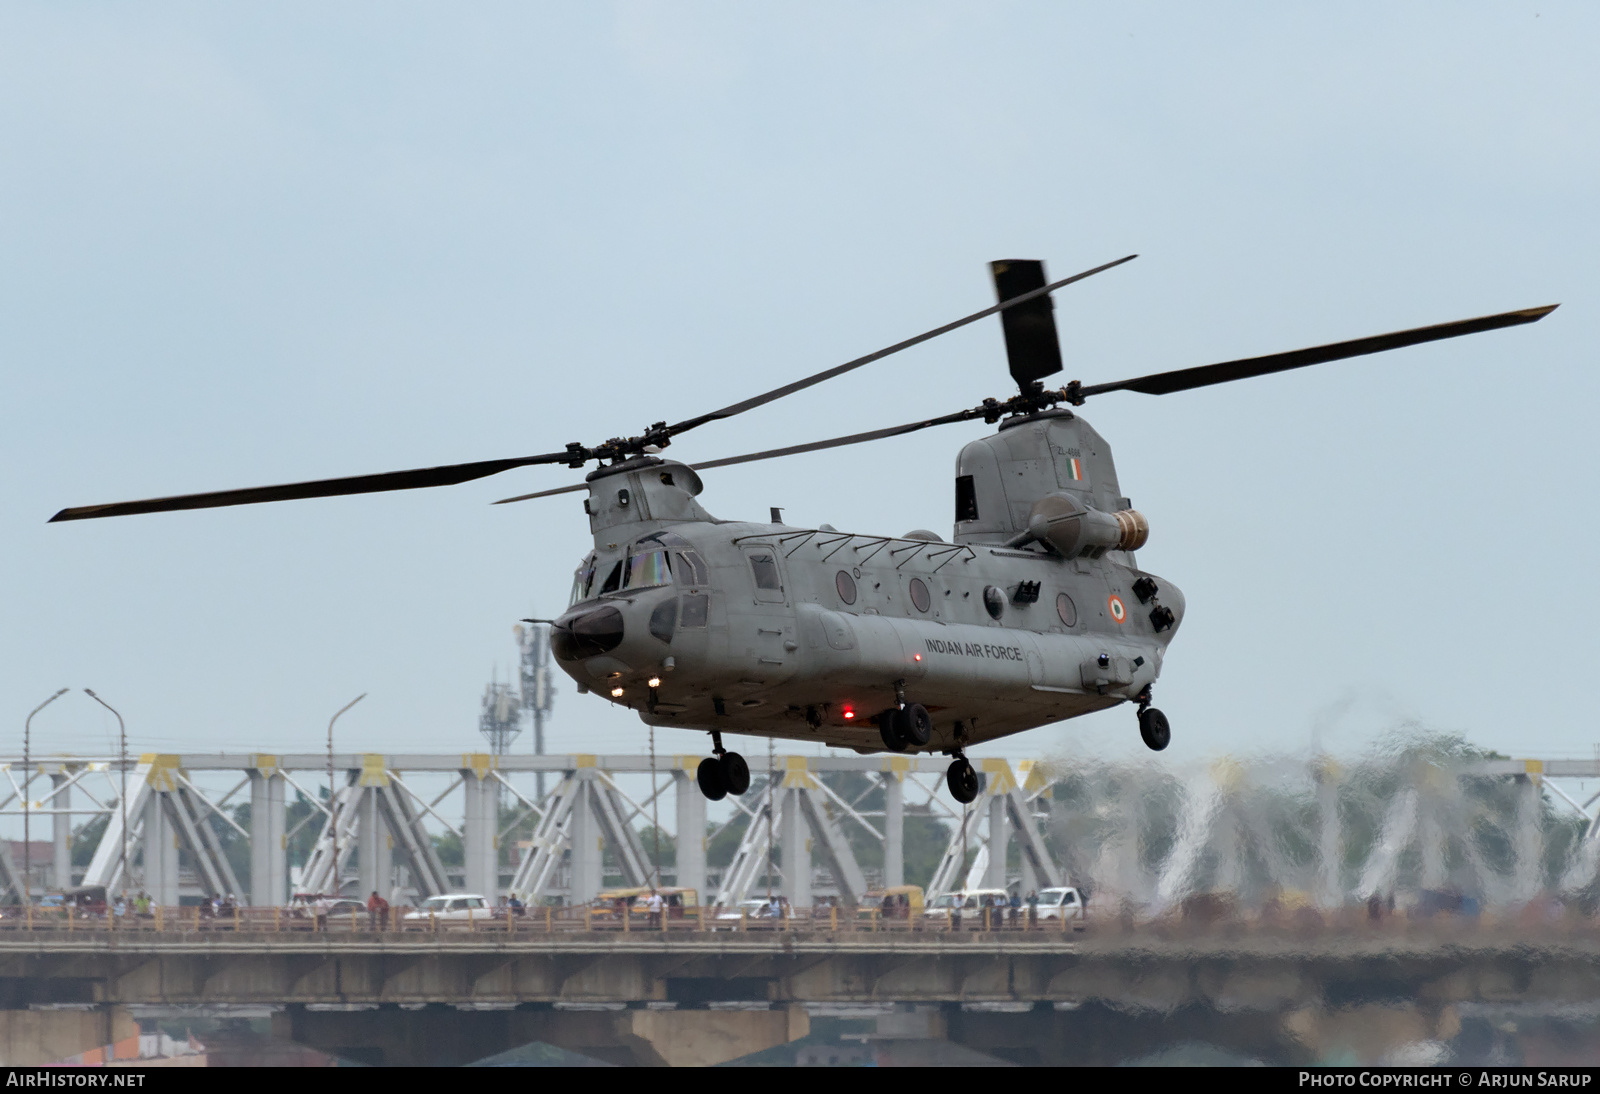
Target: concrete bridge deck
[703, 997]
[1150, 969]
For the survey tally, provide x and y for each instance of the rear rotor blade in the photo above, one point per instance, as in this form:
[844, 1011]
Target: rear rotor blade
[1183, 379]
[839, 370]
[448, 475]
[574, 488]
[1033, 349]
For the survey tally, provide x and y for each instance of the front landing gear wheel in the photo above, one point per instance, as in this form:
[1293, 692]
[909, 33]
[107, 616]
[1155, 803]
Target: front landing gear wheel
[709, 776]
[1154, 729]
[735, 773]
[963, 782]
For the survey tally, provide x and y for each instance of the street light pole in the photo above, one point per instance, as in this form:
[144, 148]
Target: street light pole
[122, 795]
[27, 840]
[333, 816]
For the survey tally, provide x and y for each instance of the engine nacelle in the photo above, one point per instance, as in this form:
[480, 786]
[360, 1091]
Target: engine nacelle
[1077, 530]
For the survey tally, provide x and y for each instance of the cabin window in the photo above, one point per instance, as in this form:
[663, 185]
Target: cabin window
[613, 580]
[765, 569]
[919, 595]
[966, 498]
[846, 586]
[693, 609]
[1067, 610]
[646, 569]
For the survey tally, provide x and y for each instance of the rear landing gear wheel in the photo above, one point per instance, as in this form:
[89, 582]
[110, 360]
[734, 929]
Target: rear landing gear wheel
[913, 725]
[1154, 729]
[709, 776]
[963, 782]
[886, 729]
[735, 773]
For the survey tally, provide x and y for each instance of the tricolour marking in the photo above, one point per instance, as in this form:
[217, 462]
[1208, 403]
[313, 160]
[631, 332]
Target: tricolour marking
[1118, 612]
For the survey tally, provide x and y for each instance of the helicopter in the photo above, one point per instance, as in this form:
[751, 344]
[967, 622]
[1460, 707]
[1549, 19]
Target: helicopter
[1034, 611]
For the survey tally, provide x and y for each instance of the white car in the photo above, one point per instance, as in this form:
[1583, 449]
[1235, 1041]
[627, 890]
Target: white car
[752, 913]
[1061, 903]
[971, 903]
[452, 908]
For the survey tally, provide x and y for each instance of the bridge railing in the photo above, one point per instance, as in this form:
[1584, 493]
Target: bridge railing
[538, 920]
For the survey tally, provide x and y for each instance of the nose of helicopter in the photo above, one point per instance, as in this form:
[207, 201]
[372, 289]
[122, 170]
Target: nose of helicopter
[587, 634]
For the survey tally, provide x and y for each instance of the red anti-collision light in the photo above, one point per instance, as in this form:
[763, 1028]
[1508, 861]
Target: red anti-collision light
[849, 714]
[916, 657]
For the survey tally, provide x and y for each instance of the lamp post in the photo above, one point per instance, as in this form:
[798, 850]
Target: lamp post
[27, 840]
[333, 816]
[122, 795]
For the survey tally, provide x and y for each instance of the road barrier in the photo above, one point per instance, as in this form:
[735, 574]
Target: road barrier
[537, 920]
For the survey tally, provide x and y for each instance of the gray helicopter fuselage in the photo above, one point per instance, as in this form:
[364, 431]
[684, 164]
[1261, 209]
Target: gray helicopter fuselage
[810, 633]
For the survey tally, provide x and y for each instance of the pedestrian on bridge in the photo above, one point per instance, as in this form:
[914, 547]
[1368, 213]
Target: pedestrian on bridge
[377, 912]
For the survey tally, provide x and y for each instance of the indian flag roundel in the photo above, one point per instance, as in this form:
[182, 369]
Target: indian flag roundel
[1118, 612]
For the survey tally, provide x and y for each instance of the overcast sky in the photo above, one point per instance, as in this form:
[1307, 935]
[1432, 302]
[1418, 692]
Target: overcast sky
[244, 244]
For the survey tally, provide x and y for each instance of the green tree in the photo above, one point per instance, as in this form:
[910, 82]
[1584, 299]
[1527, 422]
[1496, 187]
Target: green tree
[86, 837]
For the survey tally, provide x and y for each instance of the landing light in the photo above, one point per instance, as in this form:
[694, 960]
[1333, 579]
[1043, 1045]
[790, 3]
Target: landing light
[616, 693]
[654, 681]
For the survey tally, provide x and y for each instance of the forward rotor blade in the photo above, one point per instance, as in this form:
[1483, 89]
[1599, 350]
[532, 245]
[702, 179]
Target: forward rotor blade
[1183, 379]
[792, 450]
[848, 366]
[448, 475]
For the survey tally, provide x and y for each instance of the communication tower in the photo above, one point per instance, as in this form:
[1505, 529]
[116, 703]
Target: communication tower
[538, 682]
[500, 719]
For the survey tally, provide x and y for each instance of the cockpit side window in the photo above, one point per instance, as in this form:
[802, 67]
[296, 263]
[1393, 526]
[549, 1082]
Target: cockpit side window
[647, 568]
[582, 581]
[690, 568]
[613, 580]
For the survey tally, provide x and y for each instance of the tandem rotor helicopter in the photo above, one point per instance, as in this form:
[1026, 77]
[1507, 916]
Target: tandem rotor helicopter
[1034, 611]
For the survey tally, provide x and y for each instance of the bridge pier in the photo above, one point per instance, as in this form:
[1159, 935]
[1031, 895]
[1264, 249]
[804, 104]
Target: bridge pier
[796, 851]
[376, 848]
[29, 1038]
[894, 827]
[268, 865]
[481, 826]
[160, 845]
[691, 832]
[586, 876]
[1529, 869]
[994, 875]
[61, 830]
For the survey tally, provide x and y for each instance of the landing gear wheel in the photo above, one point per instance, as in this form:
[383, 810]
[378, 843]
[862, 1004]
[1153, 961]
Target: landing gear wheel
[735, 773]
[913, 725]
[886, 729]
[963, 782]
[709, 776]
[1154, 729]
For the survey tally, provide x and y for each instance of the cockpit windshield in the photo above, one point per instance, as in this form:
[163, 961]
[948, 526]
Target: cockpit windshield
[646, 568]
